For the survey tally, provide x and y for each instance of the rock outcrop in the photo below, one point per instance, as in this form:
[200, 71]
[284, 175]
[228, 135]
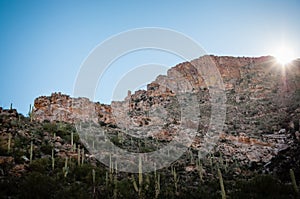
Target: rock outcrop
[50, 150]
[262, 107]
[61, 107]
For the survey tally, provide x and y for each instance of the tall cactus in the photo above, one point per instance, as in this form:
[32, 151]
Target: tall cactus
[78, 155]
[72, 140]
[94, 182]
[115, 191]
[138, 189]
[53, 159]
[31, 151]
[199, 169]
[111, 169]
[292, 175]
[157, 185]
[223, 194]
[94, 176]
[82, 156]
[175, 178]
[140, 171]
[66, 168]
[30, 112]
[9, 143]
[106, 179]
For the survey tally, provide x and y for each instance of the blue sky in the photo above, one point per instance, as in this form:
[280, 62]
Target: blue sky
[44, 43]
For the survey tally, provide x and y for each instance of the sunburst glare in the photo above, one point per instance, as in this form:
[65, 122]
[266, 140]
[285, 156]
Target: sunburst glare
[284, 55]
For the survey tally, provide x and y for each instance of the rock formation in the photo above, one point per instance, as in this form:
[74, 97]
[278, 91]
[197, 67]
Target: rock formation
[61, 107]
[262, 107]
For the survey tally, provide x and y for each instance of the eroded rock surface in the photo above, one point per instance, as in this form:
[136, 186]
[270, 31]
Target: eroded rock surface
[262, 106]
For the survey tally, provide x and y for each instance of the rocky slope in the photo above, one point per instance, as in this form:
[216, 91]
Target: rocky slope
[262, 107]
[46, 152]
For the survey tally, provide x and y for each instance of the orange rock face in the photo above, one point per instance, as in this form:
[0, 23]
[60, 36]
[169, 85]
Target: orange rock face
[239, 74]
[260, 98]
[60, 107]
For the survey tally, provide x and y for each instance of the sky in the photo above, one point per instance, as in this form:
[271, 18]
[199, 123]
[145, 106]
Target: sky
[43, 43]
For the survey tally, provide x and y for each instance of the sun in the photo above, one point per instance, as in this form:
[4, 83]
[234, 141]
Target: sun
[284, 55]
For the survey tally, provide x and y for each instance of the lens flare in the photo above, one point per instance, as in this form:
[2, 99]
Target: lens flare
[284, 55]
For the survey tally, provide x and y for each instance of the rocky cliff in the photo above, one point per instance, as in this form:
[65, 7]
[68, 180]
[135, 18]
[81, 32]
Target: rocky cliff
[61, 107]
[254, 76]
[262, 106]
[53, 153]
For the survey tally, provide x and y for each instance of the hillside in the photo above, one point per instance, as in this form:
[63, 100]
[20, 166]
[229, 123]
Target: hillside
[58, 147]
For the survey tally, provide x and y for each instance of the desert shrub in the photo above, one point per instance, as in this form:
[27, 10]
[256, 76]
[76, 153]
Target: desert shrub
[20, 142]
[9, 187]
[50, 127]
[3, 151]
[37, 185]
[74, 190]
[18, 155]
[263, 186]
[82, 173]
[64, 130]
[210, 189]
[42, 165]
[126, 189]
[46, 148]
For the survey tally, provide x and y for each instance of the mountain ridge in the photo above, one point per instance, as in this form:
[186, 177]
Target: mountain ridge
[260, 133]
[259, 101]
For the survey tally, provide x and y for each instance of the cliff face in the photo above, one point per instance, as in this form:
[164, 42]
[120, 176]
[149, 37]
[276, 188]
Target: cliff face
[262, 107]
[246, 80]
[61, 107]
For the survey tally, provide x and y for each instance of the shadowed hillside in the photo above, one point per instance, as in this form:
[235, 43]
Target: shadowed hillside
[47, 154]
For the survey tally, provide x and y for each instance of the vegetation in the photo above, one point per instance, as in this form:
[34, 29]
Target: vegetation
[49, 174]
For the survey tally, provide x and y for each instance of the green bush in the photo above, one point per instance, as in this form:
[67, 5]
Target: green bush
[82, 173]
[263, 186]
[9, 187]
[37, 185]
[75, 190]
[50, 127]
[46, 148]
[42, 165]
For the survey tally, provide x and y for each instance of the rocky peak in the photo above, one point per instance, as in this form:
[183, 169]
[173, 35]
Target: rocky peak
[262, 106]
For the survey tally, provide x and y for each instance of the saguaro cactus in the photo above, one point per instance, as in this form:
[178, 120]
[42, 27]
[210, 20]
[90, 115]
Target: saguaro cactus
[31, 151]
[53, 159]
[176, 179]
[223, 194]
[30, 112]
[9, 143]
[66, 168]
[140, 178]
[82, 156]
[294, 181]
[78, 155]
